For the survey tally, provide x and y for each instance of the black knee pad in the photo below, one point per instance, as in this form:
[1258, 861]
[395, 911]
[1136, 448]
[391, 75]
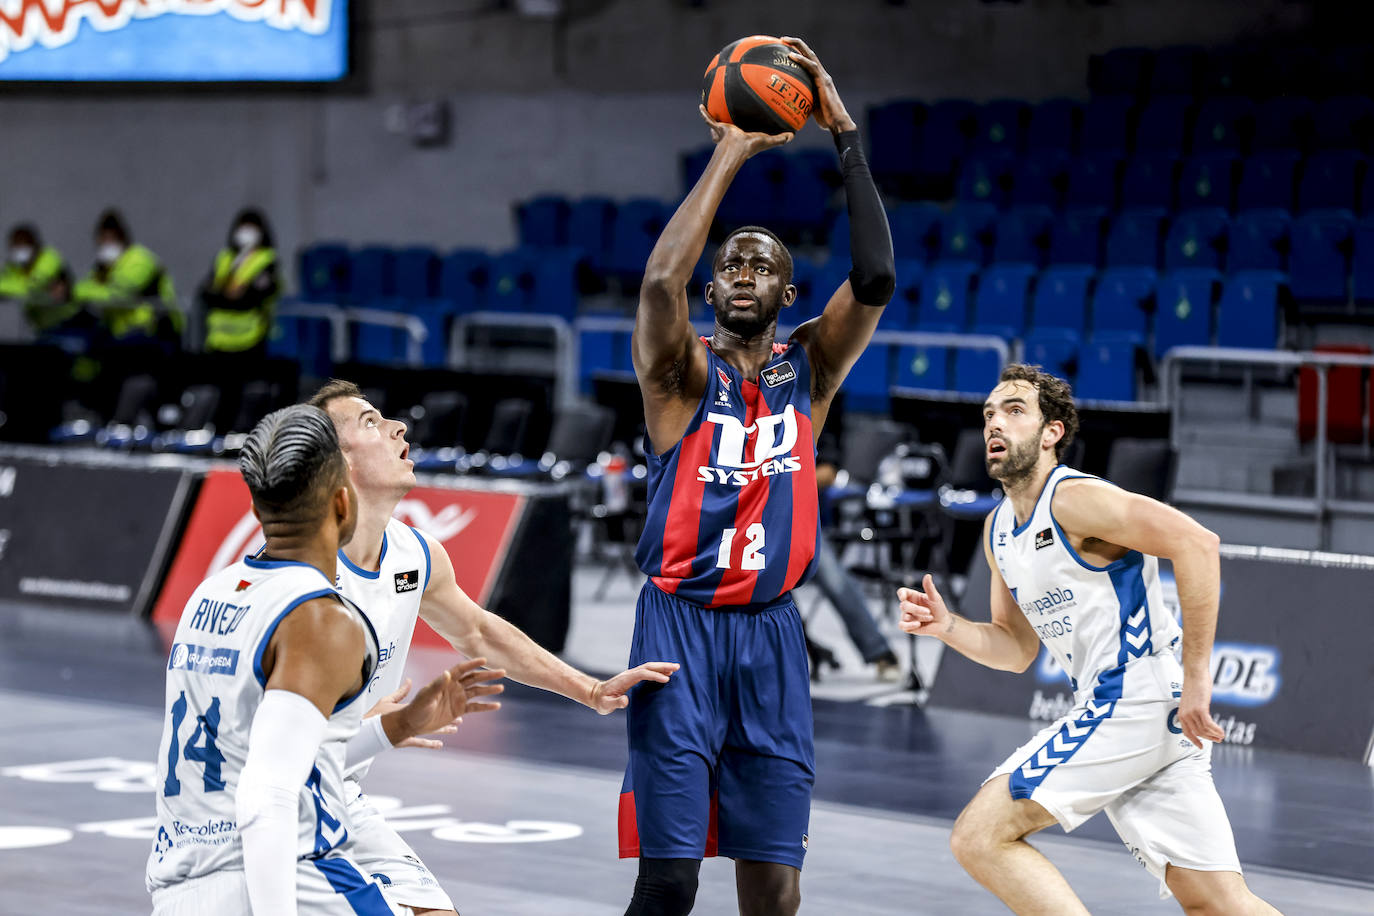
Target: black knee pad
[665, 887]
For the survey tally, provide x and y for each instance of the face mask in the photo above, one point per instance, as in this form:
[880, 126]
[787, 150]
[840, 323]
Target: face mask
[246, 237]
[108, 253]
[21, 255]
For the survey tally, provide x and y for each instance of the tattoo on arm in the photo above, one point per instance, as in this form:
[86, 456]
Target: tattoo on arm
[949, 627]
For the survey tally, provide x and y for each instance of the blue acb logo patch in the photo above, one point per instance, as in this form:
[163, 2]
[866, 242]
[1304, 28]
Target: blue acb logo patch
[188, 657]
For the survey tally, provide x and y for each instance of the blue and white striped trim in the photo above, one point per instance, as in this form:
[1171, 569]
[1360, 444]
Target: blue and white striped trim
[364, 896]
[1133, 607]
[1071, 736]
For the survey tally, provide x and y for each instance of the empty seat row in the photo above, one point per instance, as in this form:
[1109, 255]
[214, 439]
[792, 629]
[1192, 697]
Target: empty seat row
[1249, 70]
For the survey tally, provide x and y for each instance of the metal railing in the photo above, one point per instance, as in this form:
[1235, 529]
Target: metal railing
[462, 354]
[340, 318]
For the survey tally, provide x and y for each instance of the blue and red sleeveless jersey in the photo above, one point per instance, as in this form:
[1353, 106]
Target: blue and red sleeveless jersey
[732, 506]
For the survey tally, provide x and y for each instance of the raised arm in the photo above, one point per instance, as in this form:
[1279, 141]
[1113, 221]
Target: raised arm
[835, 340]
[670, 364]
[1095, 509]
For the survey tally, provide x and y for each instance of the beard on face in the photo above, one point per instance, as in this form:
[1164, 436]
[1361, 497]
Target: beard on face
[746, 324]
[1017, 462]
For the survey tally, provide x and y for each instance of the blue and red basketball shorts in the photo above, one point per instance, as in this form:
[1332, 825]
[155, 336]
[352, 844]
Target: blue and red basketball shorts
[722, 757]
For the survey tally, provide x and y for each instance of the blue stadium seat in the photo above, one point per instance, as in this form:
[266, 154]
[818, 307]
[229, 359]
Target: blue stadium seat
[381, 345]
[866, 386]
[1176, 70]
[1183, 308]
[601, 351]
[1248, 313]
[511, 281]
[986, 177]
[915, 231]
[1076, 236]
[826, 279]
[1283, 123]
[1122, 301]
[307, 340]
[966, 232]
[589, 228]
[1319, 259]
[1120, 70]
[1023, 235]
[1094, 180]
[1061, 298]
[556, 272]
[1107, 124]
[1197, 238]
[1259, 240]
[1134, 238]
[1164, 124]
[1106, 371]
[543, 221]
[805, 192]
[417, 273]
[1208, 180]
[975, 371]
[1040, 178]
[1330, 179]
[324, 272]
[372, 274]
[922, 367]
[945, 295]
[1344, 122]
[1054, 125]
[1268, 179]
[1227, 71]
[999, 306]
[1053, 349]
[755, 195]
[694, 164]
[894, 130]
[1362, 272]
[1148, 180]
[1225, 123]
[902, 310]
[463, 278]
[945, 137]
[1002, 125]
[638, 224]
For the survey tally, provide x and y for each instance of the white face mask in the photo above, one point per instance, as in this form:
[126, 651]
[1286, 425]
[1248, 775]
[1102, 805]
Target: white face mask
[108, 253]
[246, 237]
[21, 255]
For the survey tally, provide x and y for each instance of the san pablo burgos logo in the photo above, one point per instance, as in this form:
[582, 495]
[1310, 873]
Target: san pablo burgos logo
[748, 453]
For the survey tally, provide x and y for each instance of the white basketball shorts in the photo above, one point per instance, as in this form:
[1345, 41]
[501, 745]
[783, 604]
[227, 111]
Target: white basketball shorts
[331, 886]
[382, 854]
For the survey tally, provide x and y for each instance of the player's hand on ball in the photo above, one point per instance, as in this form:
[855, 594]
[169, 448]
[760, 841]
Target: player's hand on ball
[751, 143]
[1194, 711]
[440, 705]
[923, 612]
[610, 695]
[829, 111]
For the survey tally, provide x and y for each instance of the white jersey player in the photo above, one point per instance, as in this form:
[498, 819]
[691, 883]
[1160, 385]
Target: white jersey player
[1074, 567]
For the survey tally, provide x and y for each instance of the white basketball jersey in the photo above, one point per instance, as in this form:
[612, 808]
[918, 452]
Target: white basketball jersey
[215, 682]
[391, 594]
[1093, 619]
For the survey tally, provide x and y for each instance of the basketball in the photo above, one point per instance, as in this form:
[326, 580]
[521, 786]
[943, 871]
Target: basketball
[753, 84]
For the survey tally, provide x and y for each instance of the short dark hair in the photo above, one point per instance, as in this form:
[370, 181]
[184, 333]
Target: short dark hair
[112, 221]
[333, 389]
[291, 462]
[25, 232]
[251, 216]
[1055, 397]
[785, 258]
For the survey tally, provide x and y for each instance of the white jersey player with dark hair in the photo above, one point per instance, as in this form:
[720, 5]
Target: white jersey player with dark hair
[1074, 566]
[265, 681]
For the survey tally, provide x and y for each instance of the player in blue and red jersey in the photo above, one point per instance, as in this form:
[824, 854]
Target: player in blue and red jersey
[721, 757]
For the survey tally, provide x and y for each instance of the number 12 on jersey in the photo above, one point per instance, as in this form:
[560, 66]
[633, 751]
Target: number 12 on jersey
[752, 557]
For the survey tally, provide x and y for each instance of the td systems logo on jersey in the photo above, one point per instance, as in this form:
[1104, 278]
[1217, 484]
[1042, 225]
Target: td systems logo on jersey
[748, 453]
[188, 657]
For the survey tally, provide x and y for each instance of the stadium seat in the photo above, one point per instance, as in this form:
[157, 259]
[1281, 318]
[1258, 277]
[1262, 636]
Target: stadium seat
[975, 371]
[589, 228]
[463, 278]
[801, 210]
[1076, 236]
[999, 305]
[1208, 180]
[1183, 308]
[324, 272]
[1061, 298]
[1227, 71]
[1001, 126]
[921, 367]
[307, 340]
[1319, 260]
[1040, 178]
[1283, 123]
[755, 194]
[1344, 398]
[1197, 238]
[1148, 180]
[1176, 70]
[1120, 70]
[1247, 315]
[1055, 350]
[1122, 301]
[511, 281]
[556, 272]
[1134, 238]
[915, 231]
[1023, 235]
[1267, 180]
[966, 232]
[1164, 124]
[372, 274]
[901, 311]
[1224, 124]
[1107, 124]
[1362, 270]
[866, 386]
[638, 224]
[893, 133]
[543, 221]
[986, 177]
[601, 352]
[1054, 125]
[417, 273]
[1330, 179]
[945, 295]
[1259, 240]
[1344, 122]
[945, 136]
[1094, 179]
[826, 278]
[1106, 370]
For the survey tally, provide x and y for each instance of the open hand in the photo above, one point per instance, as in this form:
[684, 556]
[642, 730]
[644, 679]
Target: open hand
[923, 612]
[439, 706]
[610, 695]
[828, 110]
[750, 143]
[1194, 713]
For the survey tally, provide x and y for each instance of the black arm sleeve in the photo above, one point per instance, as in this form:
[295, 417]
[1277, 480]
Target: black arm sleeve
[874, 274]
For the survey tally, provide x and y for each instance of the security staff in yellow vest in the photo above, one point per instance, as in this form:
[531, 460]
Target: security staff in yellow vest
[241, 291]
[128, 289]
[36, 276]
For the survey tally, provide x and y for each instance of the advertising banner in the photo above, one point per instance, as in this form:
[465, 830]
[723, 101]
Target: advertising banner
[180, 40]
[1290, 669]
[87, 537]
[475, 526]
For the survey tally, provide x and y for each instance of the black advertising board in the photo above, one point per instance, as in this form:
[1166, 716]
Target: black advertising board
[89, 536]
[1291, 664]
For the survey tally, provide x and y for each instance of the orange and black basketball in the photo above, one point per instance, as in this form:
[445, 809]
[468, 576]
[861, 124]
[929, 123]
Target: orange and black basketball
[753, 84]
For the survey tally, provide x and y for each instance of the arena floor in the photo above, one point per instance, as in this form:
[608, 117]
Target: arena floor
[517, 815]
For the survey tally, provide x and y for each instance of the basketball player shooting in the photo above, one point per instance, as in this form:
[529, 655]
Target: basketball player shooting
[1132, 745]
[732, 423]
